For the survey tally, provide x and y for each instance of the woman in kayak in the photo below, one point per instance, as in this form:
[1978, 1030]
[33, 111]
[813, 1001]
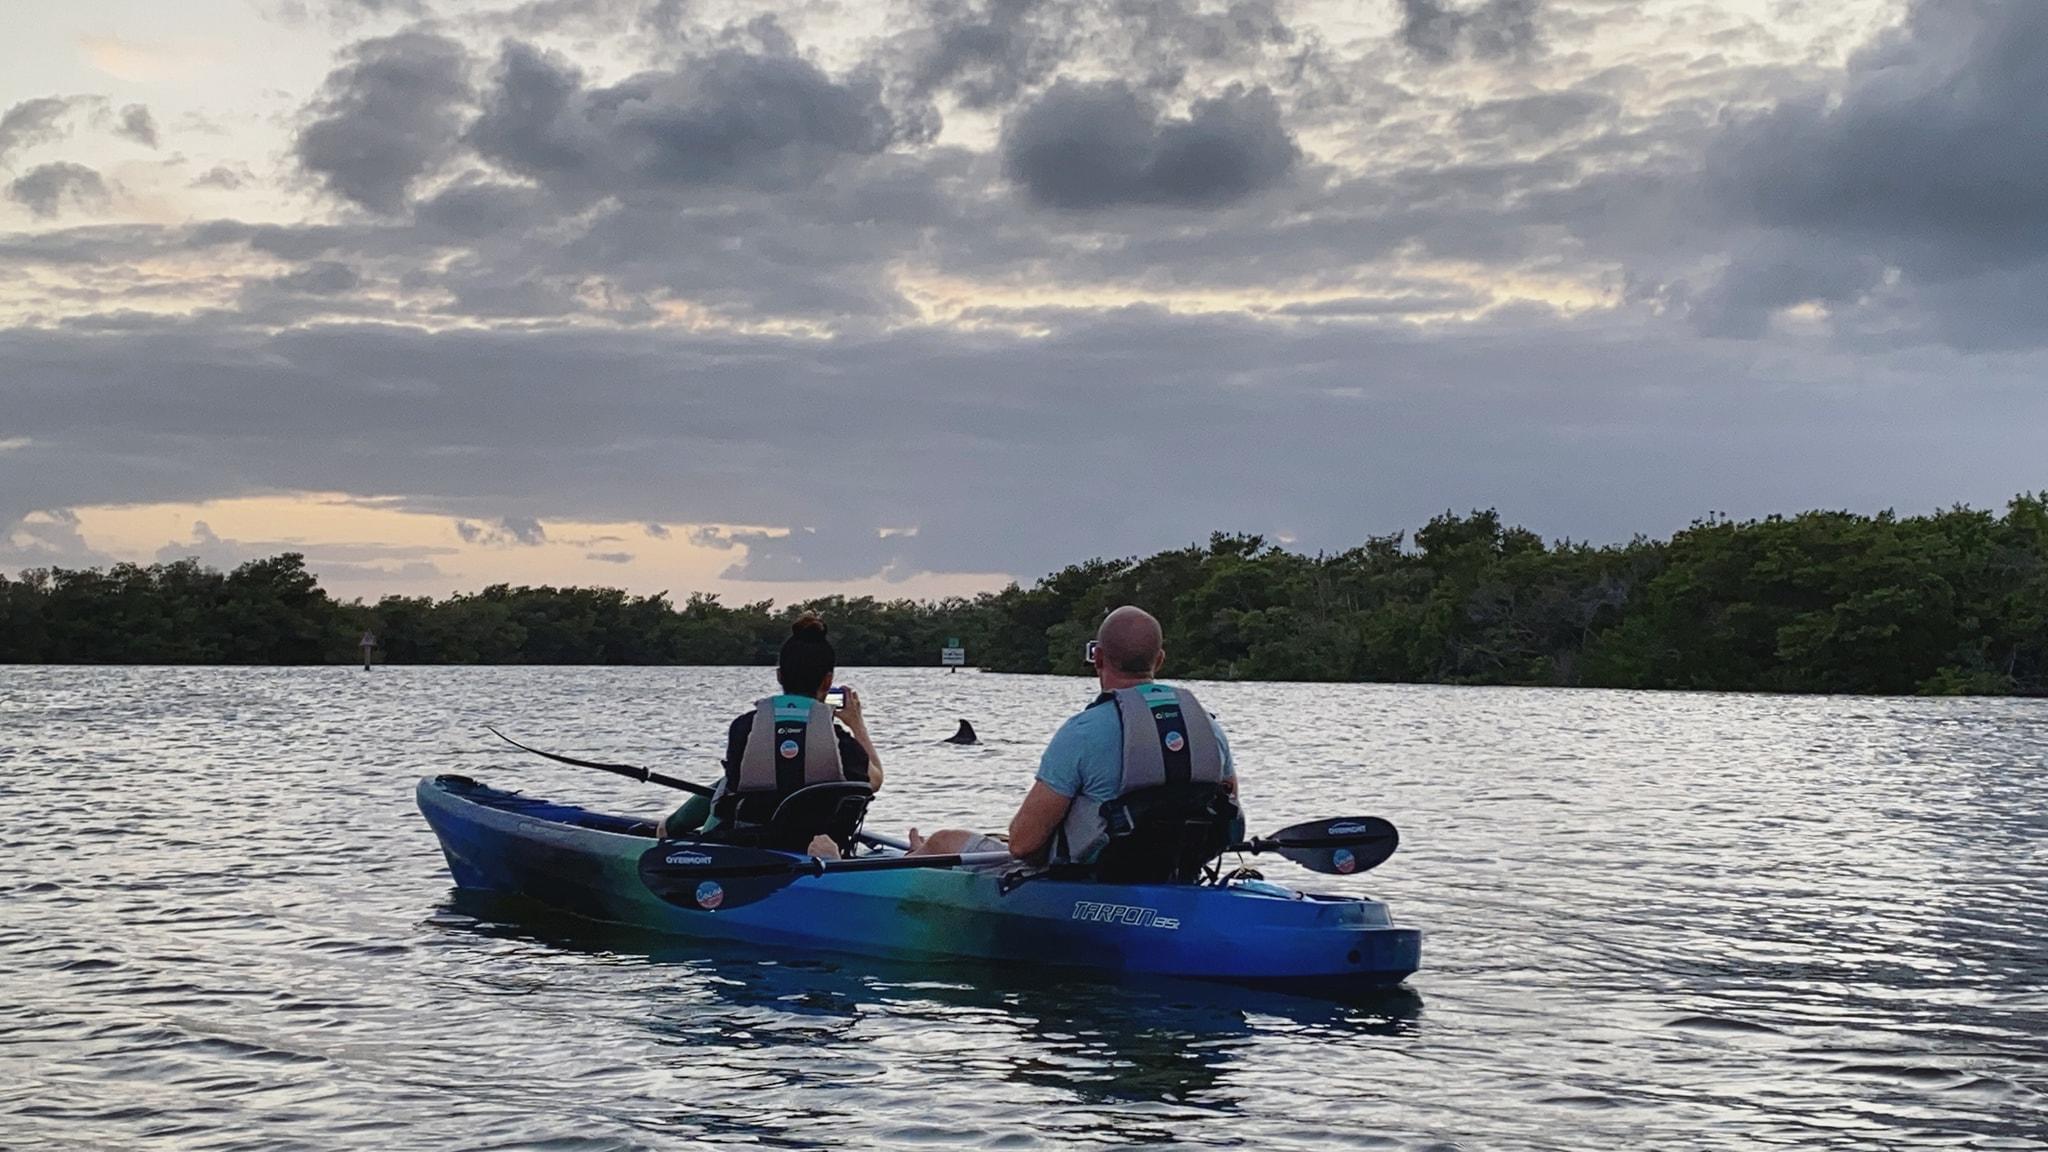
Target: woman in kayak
[786, 742]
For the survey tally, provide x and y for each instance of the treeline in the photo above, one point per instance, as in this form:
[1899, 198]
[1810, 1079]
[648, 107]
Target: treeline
[1953, 602]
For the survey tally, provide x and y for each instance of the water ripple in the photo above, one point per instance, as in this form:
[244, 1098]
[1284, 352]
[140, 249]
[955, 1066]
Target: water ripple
[1653, 921]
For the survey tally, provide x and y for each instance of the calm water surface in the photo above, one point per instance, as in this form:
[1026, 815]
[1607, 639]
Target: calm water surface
[1652, 921]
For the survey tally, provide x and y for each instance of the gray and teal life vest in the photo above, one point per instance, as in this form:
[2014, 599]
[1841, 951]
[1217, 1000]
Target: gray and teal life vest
[792, 745]
[1168, 738]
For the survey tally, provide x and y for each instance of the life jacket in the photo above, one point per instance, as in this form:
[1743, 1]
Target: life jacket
[1168, 738]
[792, 745]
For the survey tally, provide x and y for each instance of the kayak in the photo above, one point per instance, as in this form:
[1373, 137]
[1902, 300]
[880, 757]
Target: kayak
[1247, 931]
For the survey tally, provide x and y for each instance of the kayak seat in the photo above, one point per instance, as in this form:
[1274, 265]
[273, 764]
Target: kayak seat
[836, 810]
[1166, 834]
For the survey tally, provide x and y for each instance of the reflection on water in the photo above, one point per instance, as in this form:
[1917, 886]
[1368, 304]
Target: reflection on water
[1653, 921]
[1165, 1041]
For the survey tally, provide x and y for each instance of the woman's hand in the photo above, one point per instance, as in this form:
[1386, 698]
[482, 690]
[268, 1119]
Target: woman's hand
[856, 723]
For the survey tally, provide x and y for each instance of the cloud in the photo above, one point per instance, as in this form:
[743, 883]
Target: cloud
[698, 275]
[1084, 146]
[1928, 160]
[506, 532]
[343, 563]
[727, 118]
[609, 557]
[1490, 30]
[49, 538]
[37, 121]
[992, 444]
[990, 52]
[47, 189]
[319, 278]
[838, 551]
[386, 119]
[205, 547]
[138, 125]
[657, 531]
[224, 177]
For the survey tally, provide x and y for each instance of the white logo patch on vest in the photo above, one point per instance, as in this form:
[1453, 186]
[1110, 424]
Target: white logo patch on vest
[1175, 741]
[789, 749]
[1128, 914]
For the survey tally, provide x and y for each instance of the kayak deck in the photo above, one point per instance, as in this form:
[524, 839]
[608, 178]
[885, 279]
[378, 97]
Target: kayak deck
[587, 864]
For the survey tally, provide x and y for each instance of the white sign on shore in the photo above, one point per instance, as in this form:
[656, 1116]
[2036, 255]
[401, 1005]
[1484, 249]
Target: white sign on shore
[953, 657]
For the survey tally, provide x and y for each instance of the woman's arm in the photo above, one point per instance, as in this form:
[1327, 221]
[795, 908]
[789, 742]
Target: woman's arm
[856, 723]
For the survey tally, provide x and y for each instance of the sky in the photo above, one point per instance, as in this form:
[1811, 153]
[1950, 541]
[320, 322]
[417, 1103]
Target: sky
[912, 298]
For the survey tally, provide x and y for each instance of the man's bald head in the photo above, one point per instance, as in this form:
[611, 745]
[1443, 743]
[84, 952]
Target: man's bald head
[1130, 641]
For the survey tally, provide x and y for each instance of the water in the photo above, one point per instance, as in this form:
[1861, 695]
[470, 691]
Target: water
[1652, 921]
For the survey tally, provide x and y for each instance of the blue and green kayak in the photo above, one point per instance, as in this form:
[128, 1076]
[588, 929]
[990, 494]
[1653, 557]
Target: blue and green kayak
[588, 864]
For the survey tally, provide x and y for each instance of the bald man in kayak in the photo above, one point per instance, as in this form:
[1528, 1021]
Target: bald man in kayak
[1085, 765]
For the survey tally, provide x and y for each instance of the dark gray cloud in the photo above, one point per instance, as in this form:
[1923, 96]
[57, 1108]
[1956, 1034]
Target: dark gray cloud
[730, 117]
[387, 118]
[1438, 31]
[987, 54]
[36, 121]
[138, 125]
[47, 189]
[990, 52]
[655, 530]
[835, 551]
[1930, 160]
[506, 531]
[320, 278]
[1103, 145]
[991, 446]
[609, 557]
[225, 177]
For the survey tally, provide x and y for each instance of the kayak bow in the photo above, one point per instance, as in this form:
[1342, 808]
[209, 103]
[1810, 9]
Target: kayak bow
[590, 864]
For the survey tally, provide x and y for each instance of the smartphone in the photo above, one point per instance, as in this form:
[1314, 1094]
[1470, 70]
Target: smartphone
[1088, 653]
[836, 696]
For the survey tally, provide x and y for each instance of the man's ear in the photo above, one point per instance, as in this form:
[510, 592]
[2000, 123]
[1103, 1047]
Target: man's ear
[1159, 662]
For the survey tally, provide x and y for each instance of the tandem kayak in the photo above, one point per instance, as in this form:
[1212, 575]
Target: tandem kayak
[588, 863]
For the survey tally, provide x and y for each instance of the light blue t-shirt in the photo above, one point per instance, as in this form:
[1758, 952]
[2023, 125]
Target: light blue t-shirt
[1086, 756]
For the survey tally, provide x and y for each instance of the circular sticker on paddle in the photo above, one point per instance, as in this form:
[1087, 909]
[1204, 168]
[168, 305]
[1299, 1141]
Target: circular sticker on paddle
[1343, 861]
[710, 895]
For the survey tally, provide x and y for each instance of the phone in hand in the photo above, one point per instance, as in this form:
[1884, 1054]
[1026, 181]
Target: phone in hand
[1088, 652]
[836, 696]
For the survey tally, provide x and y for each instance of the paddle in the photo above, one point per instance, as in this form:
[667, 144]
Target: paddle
[631, 772]
[1343, 846]
[705, 877]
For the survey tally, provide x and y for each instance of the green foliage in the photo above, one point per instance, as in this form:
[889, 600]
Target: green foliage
[1954, 602]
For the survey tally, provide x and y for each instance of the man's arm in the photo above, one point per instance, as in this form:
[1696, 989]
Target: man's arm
[1031, 829]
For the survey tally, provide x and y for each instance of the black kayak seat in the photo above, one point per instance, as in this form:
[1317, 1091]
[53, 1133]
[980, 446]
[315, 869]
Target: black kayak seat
[1166, 834]
[836, 809]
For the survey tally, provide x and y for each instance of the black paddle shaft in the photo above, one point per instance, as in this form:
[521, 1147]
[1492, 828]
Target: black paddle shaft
[629, 771]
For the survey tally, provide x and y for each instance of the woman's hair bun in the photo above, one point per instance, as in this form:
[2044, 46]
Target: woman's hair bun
[808, 625]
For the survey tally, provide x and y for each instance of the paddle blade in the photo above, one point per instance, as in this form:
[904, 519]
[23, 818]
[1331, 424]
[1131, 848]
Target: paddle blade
[708, 877]
[1344, 846]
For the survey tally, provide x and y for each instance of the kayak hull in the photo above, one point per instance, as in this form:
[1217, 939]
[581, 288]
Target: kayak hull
[587, 864]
